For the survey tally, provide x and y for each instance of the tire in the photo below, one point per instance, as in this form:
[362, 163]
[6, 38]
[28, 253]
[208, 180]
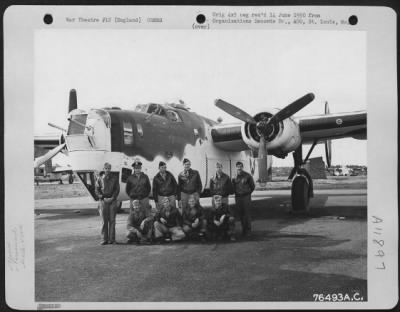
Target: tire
[71, 179]
[300, 190]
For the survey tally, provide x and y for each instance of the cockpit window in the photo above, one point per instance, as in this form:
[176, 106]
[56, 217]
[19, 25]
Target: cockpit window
[141, 108]
[156, 109]
[173, 116]
[77, 127]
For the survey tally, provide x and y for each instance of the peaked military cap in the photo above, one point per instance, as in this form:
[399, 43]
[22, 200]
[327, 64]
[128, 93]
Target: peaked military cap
[137, 164]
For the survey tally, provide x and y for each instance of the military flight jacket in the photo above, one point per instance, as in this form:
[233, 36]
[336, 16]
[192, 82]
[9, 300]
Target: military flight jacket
[221, 185]
[166, 187]
[189, 218]
[138, 187]
[107, 187]
[243, 184]
[190, 183]
[218, 213]
[174, 218]
[135, 220]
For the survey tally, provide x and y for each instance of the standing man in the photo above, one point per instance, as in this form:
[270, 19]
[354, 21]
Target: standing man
[220, 184]
[164, 185]
[189, 184]
[243, 185]
[138, 187]
[107, 190]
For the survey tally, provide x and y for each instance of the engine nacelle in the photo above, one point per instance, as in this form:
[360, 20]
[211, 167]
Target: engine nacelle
[281, 138]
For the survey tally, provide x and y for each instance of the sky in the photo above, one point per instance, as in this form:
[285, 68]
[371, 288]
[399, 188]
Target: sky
[253, 70]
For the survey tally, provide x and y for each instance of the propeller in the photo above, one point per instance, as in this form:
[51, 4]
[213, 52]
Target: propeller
[73, 102]
[292, 108]
[266, 126]
[328, 143]
[234, 111]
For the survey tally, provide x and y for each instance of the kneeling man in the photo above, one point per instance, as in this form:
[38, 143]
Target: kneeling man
[139, 226]
[194, 223]
[168, 223]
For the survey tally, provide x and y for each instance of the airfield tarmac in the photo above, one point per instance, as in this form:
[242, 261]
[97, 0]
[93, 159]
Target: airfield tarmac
[290, 257]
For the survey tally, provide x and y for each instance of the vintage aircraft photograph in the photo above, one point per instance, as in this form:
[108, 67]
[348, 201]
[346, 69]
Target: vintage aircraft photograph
[268, 99]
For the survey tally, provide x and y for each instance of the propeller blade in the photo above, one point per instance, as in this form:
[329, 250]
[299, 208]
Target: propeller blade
[73, 101]
[234, 111]
[262, 161]
[328, 143]
[292, 108]
[328, 152]
[49, 155]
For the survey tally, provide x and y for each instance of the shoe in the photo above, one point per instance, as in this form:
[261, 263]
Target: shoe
[167, 240]
[232, 239]
[113, 243]
[103, 243]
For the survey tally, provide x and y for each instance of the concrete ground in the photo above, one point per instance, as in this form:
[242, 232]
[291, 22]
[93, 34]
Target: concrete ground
[290, 257]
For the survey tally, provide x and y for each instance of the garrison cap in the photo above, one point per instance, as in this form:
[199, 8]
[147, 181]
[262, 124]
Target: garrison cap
[185, 160]
[137, 164]
[161, 163]
[239, 163]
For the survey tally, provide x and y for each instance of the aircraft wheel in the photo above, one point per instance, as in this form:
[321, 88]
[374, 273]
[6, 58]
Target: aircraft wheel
[71, 179]
[300, 190]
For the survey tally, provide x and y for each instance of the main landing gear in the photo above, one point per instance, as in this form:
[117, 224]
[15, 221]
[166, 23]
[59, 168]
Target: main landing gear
[302, 184]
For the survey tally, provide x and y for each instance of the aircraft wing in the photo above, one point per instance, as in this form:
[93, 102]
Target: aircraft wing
[322, 127]
[333, 126]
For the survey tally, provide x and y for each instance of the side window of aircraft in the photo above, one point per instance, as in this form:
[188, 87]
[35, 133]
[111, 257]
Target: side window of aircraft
[128, 133]
[173, 116]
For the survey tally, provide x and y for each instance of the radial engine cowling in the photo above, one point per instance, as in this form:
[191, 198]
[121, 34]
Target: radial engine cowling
[281, 137]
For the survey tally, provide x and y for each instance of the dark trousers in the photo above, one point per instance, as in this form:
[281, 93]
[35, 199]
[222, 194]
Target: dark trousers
[243, 211]
[108, 213]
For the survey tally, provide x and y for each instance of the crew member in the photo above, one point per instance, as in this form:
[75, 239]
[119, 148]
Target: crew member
[138, 187]
[138, 225]
[107, 190]
[194, 222]
[164, 185]
[189, 183]
[168, 222]
[243, 185]
[221, 220]
[220, 184]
